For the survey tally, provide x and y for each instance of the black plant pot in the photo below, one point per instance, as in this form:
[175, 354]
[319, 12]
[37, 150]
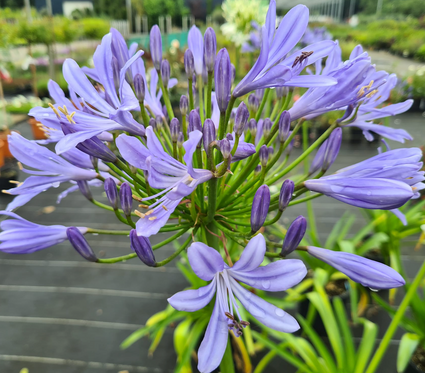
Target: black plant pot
[9, 172]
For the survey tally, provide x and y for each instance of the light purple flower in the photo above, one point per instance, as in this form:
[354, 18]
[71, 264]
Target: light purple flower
[273, 68]
[208, 265]
[364, 271]
[49, 169]
[20, 236]
[176, 179]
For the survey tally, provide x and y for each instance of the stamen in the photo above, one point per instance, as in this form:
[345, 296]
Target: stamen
[137, 198]
[149, 212]
[152, 218]
[230, 316]
[139, 214]
[143, 206]
[54, 110]
[370, 94]
[164, 207]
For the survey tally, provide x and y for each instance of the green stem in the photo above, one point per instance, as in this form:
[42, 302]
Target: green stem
[222, 132]
[209, 90]
[201, 99]
[177, 253]
[165, 96]
[263, 103]
[305, 199]
[377, 357]
[275, 219]
[105, 231]
[184, 126]
[190, 89]
[212, 204]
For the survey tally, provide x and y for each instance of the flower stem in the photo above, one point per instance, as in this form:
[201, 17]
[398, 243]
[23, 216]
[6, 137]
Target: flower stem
[166, 97]
[379, 354]
[212, 205]
[201, 99]
[263, 103]
[228, 112]
[209, 90]
[105, 231]
[190, 90]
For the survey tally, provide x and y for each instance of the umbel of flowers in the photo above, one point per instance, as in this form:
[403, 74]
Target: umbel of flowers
[205, 175]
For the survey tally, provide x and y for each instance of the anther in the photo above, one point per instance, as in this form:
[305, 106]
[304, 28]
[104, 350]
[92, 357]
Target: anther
[164, 207]
[139, 214]
[152, 218]
[143, 206]
[149, 212]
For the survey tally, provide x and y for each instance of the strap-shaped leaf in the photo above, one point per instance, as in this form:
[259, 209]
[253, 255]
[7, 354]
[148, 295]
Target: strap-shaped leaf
[407, 347]
[367, 345]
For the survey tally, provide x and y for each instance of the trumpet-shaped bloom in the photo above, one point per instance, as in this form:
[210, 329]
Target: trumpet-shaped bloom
[273, 68]
[364, 271]
[176, 179]
[209, 266]
[20, 236]
[50, 169]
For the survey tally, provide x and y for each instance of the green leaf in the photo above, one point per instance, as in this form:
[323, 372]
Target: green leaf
[346, 246]
[407, 347]
[367, 345]
[373, 242]
[306, 351]
[338, 230]
[181, 334]
[226, 365]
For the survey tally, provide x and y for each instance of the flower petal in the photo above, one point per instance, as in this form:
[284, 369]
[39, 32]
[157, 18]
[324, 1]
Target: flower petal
[133, 151]
[204, 260]
[193, 300]
[263, 311]
[252, 256]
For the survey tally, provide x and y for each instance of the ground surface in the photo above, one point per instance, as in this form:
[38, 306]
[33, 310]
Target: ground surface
[61, 314]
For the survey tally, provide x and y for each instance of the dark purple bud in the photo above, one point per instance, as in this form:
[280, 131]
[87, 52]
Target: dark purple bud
[209, 134]
[347, 114]
[180, 140]
[165, 72]
[222, 79]
[284, 126]
[85, 189]
[270, 151]
[158, 122]
[80, 244]
[210, 49]
[184, 104]
[116, 72]
[126, 198]
[225, 148]
[229, 137]
[253, 103]
[257, 170]
[263, 153]
[252, 127]
[152, 123]
[281, 91]
[142, 247]
[194, 121]
[139, 87]
[155, 42]
[286, 192]
[189, 63]
[233, 74]
[267, 126]
[294, 235]
[367, 272]
[174, 129]
[241, 119]
[260, 207]
[111, 192]
[332, 150]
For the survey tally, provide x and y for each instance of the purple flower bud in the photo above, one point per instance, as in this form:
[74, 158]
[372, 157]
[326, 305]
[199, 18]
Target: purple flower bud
[284, 126]
[241, 119]
[111, 192]
[347, 114]
[285, 195]
[263, 153]
[267, 126]
[253, 103]
[294, 235]
[194, 121]
[252, 127]
[210, 49]
[259, 93]
[189, 63]
[257, 170]
[270, 151]
[165, 72]
[158, 122]
[184, 104]
[180, 140]
[232, 117]
[126, 198]
[229, 137]
[367, 272]
[80, 244]
[332, 150]
[260, 207]
[225, 148]
[233, 74]
[174, 129]
[152, 123]
[281, 91]
[139, 87]
[155, 45]
[222, 79]
[85, 189]
[142, 247]
[116, 72]
[94, 162]
[209, 134]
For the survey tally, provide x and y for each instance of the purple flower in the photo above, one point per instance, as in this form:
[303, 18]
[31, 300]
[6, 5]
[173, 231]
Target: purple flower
[364, 271]
[176, 179]
[195, 42]
[50, 169]
[208, 265]
[273, 68]
[20, 236]
[327, 152]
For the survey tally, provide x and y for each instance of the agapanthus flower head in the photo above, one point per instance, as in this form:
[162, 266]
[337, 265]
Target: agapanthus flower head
[209, 266]
[367, 272]
[80, 244]
[20, 236]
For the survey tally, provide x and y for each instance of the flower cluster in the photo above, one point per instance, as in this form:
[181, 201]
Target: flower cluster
[205, 175]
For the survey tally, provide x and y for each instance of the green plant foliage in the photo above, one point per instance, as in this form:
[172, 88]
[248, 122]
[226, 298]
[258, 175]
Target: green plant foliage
[94, 28]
